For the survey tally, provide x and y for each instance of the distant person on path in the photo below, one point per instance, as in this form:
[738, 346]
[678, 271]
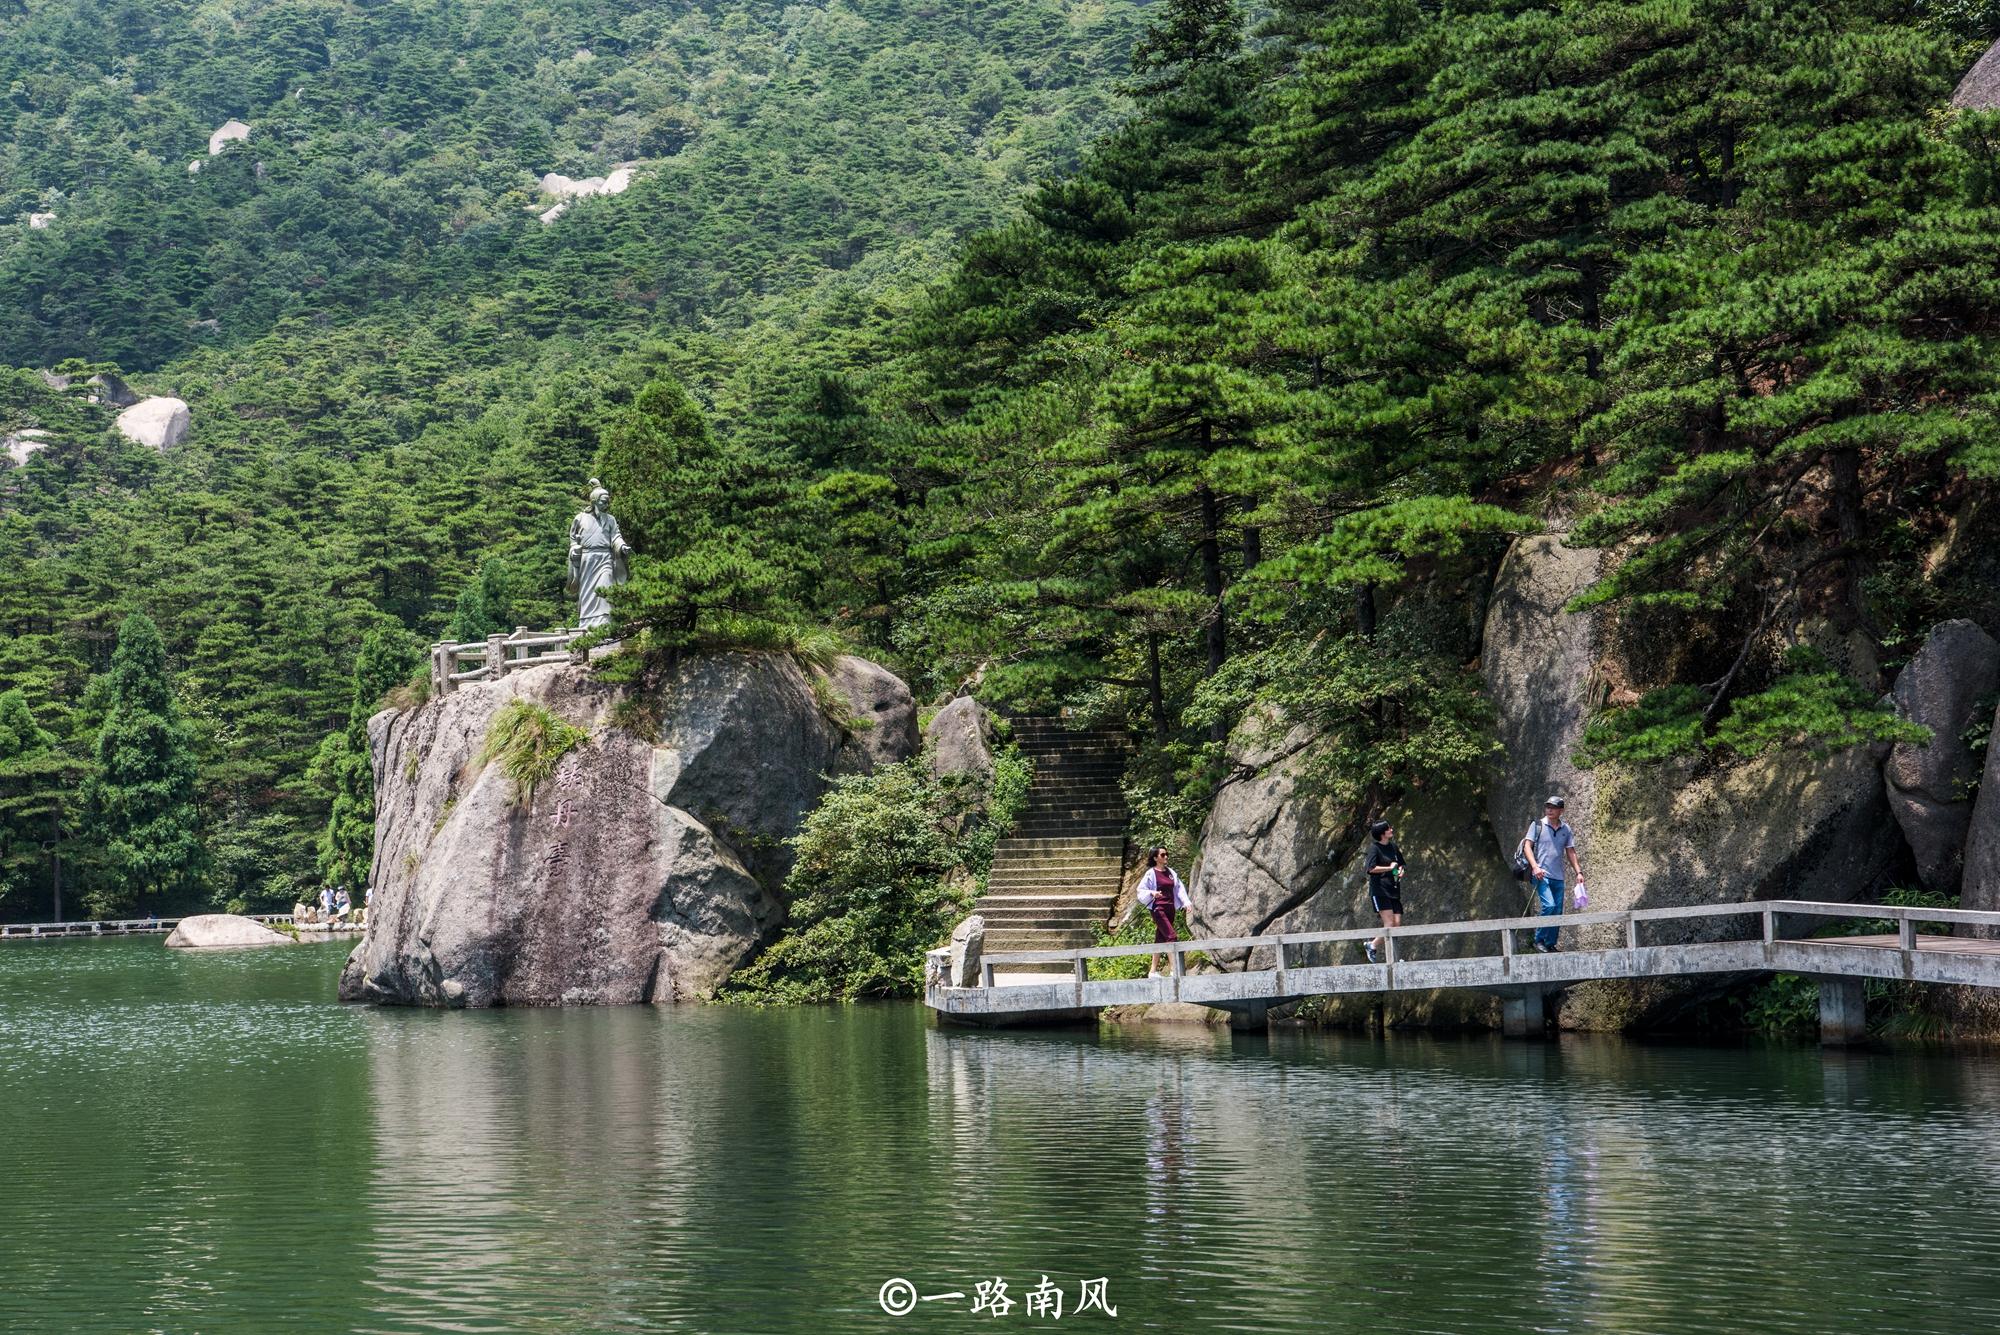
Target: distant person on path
[1548, 845]
[1384, 864]
[1161, 892]
[325, 903]
[342, 904]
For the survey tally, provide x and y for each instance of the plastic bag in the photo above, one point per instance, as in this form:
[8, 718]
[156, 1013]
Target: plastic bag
[1582, 897]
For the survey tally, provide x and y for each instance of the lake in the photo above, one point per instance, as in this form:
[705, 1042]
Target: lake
[211, 1143]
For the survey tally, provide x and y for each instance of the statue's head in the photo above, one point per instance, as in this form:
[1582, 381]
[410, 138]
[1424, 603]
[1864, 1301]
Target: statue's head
[599, 497]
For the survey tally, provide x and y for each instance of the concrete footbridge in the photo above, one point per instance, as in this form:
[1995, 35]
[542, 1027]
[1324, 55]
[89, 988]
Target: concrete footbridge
[1044, 986]
[56, 931]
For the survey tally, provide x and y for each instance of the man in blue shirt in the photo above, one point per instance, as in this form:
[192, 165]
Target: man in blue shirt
[1549, 844]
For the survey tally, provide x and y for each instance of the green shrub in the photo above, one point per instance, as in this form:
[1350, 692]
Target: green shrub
[876, 884]
[886, 865]
[528, 741]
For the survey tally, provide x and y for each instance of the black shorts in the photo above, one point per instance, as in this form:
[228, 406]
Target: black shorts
[1386, 903]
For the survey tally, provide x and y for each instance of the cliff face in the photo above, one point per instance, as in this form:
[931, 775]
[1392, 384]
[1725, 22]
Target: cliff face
[641, 870]
[1786, 825]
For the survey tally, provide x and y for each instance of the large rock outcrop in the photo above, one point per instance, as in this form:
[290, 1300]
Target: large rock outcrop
[1930, 783]
[1980, 888]
[641, 870]
[959, 741]
[222, 931]
[23, 445]
[159, 422]
[570, 187]
[1979, 90]
[882, 726]
[1276, 859]
[1785, 825]
[231, 131]
[1539, 662]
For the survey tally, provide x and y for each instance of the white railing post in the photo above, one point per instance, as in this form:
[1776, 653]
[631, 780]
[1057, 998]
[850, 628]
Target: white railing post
[1278, 962]
[496, 654]
[1631, 932]
[986, 973]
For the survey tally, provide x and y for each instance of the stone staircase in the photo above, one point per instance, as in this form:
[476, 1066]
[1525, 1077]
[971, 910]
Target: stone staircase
[1057, 876]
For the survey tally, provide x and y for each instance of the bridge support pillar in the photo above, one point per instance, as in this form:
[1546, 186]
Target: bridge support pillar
[1843, 1011]
[1522, 1014]
[1250, 1016]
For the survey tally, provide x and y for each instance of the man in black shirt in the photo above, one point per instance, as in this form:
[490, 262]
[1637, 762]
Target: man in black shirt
[1384, 865]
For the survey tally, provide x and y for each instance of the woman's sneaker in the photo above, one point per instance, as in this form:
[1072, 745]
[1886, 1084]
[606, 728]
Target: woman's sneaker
[1374, 955]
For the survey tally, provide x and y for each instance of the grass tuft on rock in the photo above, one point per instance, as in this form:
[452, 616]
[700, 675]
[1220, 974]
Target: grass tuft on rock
[528, 741]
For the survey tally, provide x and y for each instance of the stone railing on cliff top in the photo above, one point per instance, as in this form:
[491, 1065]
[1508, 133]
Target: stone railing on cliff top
[497, 655]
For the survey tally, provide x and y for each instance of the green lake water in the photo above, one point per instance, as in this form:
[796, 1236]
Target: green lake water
[211, 1143]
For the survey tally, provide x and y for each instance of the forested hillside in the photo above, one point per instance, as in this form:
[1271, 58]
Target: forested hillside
[395, 367]
[1240, 404]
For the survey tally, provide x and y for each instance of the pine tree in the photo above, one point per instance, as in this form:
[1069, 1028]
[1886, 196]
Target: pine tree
[35, 779]
[486, 605]
[140, 814]
[703, 575]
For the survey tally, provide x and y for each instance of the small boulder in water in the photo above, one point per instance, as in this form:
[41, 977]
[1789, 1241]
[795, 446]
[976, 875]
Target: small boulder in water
[211, 931]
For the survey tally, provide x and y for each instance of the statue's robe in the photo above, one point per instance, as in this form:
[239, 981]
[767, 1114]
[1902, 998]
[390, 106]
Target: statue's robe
[596, 562]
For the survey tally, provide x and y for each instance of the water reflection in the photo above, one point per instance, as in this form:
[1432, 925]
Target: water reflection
[214, 1146]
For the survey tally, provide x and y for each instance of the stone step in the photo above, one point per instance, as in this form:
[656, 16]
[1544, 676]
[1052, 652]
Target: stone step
[1101, 792]
[1012, 940]
[1067, 907]
[1109, 868]
[998, 920]
[1076, 783]
[1076, 815]
[1094, 887]
[1103, 845]
[1053, 899]
[1034, 827]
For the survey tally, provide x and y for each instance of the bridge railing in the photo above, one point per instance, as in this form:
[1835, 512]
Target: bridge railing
[111, 926]
[1770, 914]
[497, 655]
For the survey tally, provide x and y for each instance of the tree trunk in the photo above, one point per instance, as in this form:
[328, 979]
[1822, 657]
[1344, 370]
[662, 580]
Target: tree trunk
[1364, 611]
[1845, 467]
[1211, 580]
[1154, 686]
[1253, 547]
[55, 859]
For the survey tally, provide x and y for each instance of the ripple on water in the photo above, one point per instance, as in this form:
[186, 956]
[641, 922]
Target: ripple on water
[210, 1143]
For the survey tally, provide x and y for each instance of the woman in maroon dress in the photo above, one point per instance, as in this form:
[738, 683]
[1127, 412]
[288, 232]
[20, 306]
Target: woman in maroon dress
[1161, 893]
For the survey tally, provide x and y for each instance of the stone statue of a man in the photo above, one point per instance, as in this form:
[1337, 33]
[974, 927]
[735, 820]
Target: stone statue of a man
[597, 553]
